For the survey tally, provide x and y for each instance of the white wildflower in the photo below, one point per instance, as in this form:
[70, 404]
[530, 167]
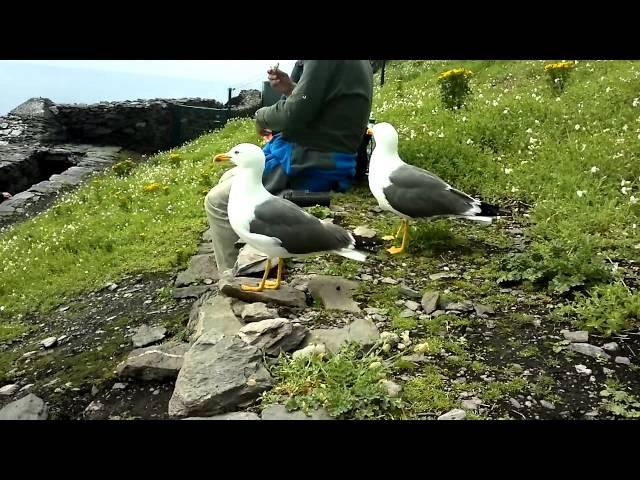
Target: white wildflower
[581, 193]
[633, 200]
[577, 127]
[624, 190]
[507, 171]
[595, 169]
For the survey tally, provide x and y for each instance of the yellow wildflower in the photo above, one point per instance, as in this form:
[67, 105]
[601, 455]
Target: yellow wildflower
[152, 187]
[454, 73]
[559, 66]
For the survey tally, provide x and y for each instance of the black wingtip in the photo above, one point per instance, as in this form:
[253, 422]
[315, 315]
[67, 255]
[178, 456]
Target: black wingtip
[488, 210]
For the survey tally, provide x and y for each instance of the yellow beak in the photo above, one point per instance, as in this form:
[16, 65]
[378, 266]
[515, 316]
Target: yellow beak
[221, 157]
[370, 132]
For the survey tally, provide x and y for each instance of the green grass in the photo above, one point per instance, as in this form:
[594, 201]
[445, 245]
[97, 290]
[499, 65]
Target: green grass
[607, 309]
[344, 384]
[402, 324]
[499, 390]
[111, 227]
[426, 394]
[11, 331]
[618, 401]
[517, 140]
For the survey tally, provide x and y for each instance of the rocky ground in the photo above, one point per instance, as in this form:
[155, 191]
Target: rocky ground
[457, 344]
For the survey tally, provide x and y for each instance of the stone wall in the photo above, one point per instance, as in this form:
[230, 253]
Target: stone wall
[40, 140]
[148, 126]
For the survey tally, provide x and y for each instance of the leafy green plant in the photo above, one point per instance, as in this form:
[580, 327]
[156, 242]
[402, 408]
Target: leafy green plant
[175, 159]
[347, 384]
[555, 264]
[454, 87]
[123, 168]
[619, 402]
[427, 393]
[319, 211]
[606, 308]
[558, 75]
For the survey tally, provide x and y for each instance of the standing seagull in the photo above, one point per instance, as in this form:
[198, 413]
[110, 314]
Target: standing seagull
[275, 226]
[411, 192]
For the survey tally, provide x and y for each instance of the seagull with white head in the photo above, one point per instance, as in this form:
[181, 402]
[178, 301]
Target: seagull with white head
[275, 226]
[411, 192]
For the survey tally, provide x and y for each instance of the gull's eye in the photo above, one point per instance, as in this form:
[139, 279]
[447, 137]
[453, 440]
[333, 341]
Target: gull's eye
[236, 152]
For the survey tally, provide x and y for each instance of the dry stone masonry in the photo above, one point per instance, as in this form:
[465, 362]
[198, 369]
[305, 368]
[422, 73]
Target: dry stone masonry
[47, 147]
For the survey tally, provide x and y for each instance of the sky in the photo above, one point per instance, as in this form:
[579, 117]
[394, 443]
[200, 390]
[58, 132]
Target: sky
[90, 81]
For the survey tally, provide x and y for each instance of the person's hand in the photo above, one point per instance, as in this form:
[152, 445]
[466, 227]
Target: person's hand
[260, 128]
[263, 132]
[280, 81]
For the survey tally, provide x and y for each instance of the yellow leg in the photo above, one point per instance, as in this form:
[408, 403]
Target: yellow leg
[276, 285]
[260, 287]
[405, 240]
[393, 237]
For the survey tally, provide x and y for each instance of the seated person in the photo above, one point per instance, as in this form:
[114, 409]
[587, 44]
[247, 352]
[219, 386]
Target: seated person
[317, 128]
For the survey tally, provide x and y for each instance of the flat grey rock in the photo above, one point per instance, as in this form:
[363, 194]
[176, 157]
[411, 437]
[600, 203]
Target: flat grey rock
[335, 293]
[193, 291]
[483, 310]
[213, 313]
[285, 295]
[280, 412]
[218, 374]
[229, 416]
[463, 306]
[255, 312]
[146, 335]
[455, 414]
[49, 342]
[201, 267]
[408, 292]
[156, 363]
[443, 275]
[9, 390]
[589, 350]
[28, 407]
[361, 331]
[581, 336]
[273, 336]
[430, 301]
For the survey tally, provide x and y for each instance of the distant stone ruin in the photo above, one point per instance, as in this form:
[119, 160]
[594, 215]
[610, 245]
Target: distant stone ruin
[46, 147]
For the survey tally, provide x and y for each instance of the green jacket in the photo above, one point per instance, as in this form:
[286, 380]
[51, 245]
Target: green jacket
[329, 108]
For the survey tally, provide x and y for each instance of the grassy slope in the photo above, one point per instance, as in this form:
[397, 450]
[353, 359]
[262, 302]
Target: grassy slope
[112, 226]
[514, 124]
